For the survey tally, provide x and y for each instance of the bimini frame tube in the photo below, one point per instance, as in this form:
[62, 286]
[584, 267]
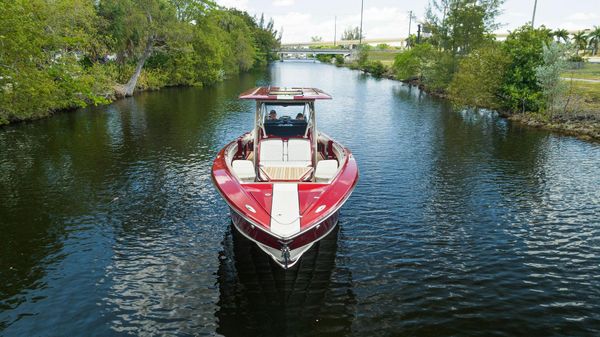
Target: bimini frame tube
[315, 133]
[257, 119]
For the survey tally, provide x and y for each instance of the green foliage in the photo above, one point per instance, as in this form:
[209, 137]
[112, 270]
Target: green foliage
[41, 72]
[352, 34]
[55, 54]
[375, 68]
[580, 39]
[438, 75]
[459, 26]
[520, 90]
[594, 39]
[325, 58]
[561, 35]
[548, 76]
[479, 78]
[363, 55]
[412, 62]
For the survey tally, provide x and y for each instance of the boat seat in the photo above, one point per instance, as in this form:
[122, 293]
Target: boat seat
[298, 152]
[244, 169]
[293, 153]
[326, 170]
[271, 151]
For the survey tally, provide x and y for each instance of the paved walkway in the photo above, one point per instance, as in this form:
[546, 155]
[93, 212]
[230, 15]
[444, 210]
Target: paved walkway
[580, 79]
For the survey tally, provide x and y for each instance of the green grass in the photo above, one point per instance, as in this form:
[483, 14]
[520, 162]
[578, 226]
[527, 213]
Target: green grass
[386, 57]
[589, 94]
[590, 71]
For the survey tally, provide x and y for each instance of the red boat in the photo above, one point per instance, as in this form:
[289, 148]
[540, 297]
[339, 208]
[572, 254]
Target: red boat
[285, 181]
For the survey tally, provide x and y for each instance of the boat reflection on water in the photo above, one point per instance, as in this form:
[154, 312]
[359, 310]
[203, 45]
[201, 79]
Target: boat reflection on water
[257, 297]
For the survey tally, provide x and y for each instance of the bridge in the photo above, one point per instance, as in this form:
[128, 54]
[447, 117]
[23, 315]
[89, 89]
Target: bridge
[305, 53]
[344, 43]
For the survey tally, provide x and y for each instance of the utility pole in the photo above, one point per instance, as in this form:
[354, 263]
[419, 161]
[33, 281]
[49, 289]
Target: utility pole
[533, 17]
[361, 20]
[334, 30]
[409, 23]
[411, 16]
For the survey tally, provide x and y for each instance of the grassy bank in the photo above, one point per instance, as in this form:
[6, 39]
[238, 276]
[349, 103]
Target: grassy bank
[582, 120]
[589, 71]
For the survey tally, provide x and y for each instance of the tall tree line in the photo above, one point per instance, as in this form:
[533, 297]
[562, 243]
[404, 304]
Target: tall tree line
[69, 53]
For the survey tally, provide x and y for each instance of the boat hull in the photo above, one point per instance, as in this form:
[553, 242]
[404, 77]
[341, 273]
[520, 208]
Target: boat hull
[285, 253]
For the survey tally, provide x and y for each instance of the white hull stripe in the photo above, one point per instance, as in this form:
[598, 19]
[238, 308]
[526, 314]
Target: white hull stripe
[285, 209]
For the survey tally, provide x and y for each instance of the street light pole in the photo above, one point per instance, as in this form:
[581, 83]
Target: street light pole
[361, 21]
[533, 17]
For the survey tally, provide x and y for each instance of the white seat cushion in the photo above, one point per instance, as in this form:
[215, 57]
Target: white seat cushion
[271, 150]
[298, 151]
[244, 169]
[326, 170]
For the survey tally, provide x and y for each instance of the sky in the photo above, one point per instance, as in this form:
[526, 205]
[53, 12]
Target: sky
[303, 19]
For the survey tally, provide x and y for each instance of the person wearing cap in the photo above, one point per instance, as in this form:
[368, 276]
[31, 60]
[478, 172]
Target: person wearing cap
[272, 115]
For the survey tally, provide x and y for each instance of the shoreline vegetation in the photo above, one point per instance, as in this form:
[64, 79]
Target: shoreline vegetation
[536, 77]
[67, 54]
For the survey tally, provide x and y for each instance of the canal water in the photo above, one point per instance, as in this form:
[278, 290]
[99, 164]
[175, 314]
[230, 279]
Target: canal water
[461, 223]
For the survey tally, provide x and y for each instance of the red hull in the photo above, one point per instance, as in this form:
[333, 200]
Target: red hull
[312, 235]
[285, 181]
[250, 205]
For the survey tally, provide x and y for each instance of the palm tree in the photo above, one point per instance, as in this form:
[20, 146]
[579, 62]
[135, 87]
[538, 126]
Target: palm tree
[581, 40]
[594, 39]
[561, 34]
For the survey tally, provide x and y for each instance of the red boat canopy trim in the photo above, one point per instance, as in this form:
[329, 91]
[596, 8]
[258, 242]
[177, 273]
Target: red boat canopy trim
[284, 93]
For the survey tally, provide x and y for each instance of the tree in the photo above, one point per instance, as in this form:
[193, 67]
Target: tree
[479, 77]
[548, 76]
[411, 63]
[363, 55]
[520, 89]
[561, 34]
[137, 28]
[459, 26]
[316, 39]
[580, 40]
[352, 34]
[594, 39]
[42, 48]
[190, 10]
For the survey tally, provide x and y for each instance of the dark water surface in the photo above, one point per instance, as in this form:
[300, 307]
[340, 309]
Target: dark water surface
[461, 224]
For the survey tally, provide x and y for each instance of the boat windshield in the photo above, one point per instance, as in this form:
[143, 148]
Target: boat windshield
[285, 120]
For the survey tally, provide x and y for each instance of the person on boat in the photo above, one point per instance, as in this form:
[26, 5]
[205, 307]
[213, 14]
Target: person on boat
[300, 116]
[272, 115]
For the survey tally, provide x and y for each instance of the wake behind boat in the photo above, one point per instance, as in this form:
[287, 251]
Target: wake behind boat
[285, 181]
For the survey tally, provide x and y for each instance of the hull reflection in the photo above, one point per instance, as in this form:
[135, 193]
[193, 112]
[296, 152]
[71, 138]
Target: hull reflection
[257, 297]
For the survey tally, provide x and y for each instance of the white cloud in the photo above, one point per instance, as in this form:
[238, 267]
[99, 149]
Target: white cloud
[283, 3]
[239, 4]
[517, 14]
[583, 16]
[378, 22]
